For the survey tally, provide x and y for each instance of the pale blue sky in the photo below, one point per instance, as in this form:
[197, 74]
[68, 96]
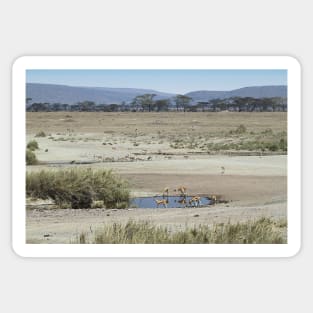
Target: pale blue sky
[173, 81]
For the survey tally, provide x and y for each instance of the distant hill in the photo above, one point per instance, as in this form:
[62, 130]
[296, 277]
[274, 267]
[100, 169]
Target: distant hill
[49, 93]
[100, 95]
[254, 92]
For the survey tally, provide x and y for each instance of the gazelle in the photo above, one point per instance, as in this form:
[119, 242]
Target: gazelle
[195, 200]
[182, 190]
[159, 202]
[213, 198]
[182, 201]
[165, 192]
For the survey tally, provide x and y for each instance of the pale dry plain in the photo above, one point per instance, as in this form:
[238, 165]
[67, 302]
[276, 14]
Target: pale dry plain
[157, 150]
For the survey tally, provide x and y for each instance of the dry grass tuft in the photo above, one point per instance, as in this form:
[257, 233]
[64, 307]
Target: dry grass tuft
[261, 231]
[78, 187]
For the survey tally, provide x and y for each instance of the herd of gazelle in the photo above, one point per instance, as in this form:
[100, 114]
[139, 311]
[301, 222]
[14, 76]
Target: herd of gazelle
[194, 201]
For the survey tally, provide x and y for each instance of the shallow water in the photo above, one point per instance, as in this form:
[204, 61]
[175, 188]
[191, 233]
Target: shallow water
[172, 202]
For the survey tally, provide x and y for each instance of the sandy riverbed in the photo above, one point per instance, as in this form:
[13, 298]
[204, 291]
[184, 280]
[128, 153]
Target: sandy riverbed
[254, 187]
[139, 147]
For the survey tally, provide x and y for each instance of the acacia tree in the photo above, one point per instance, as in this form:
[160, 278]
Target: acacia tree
[87, 106]
[202, 105]
[135, 104]
[215, 103]
[145, 101]
[162, 104]
[39, 107]
[182, 101]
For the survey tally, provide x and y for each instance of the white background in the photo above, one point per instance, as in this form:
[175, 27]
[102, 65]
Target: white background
[169, 28]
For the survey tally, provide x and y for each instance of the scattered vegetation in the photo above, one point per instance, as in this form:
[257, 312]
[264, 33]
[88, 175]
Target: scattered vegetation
[40, 134]
[31, 158]
[32, 145]
[235, 140]
[78, 188]
[274, 146]
[241, 129]
[261, 231]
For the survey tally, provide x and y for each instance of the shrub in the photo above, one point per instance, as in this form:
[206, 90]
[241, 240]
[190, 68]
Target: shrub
[78, 187]
[81, 199]
[32, 145]
[273, 147]
[241, 129]
[40, 134]
[31, 158]
[283, 144]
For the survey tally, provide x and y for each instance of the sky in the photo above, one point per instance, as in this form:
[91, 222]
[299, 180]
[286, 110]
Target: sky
[172, 81]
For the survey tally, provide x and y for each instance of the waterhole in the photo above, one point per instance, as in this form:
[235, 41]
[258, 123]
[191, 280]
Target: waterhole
[171, 202]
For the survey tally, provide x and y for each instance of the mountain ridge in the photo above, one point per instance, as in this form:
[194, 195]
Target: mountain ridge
[268, 91]
[53, 93]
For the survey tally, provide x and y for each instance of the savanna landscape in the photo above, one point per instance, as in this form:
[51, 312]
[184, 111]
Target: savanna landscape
[84, 169]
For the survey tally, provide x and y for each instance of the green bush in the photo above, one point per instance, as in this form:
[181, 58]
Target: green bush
[273, 147]
[78, 187]
[31, 158]
[32, 145]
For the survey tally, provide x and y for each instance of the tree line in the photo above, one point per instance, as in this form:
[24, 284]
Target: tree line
[148, 103]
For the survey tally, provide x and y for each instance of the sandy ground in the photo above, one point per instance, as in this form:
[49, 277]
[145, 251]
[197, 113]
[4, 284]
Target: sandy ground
[254, 185]
[65, 226]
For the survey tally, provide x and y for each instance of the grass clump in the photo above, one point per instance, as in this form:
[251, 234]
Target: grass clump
[283, 144]
[261, 231]
[32, 145]
[78, 188]
[241, 129]
[31, 158]
[41, 134]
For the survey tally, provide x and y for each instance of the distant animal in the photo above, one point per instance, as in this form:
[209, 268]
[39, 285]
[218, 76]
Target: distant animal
[182, 190]
[222, 170]
[213, 198]
[161, 202]
[165, 191]
[196, 201]
[182, 201]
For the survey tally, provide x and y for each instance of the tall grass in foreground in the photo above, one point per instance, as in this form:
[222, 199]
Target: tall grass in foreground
[261, 231]
[78, 188]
